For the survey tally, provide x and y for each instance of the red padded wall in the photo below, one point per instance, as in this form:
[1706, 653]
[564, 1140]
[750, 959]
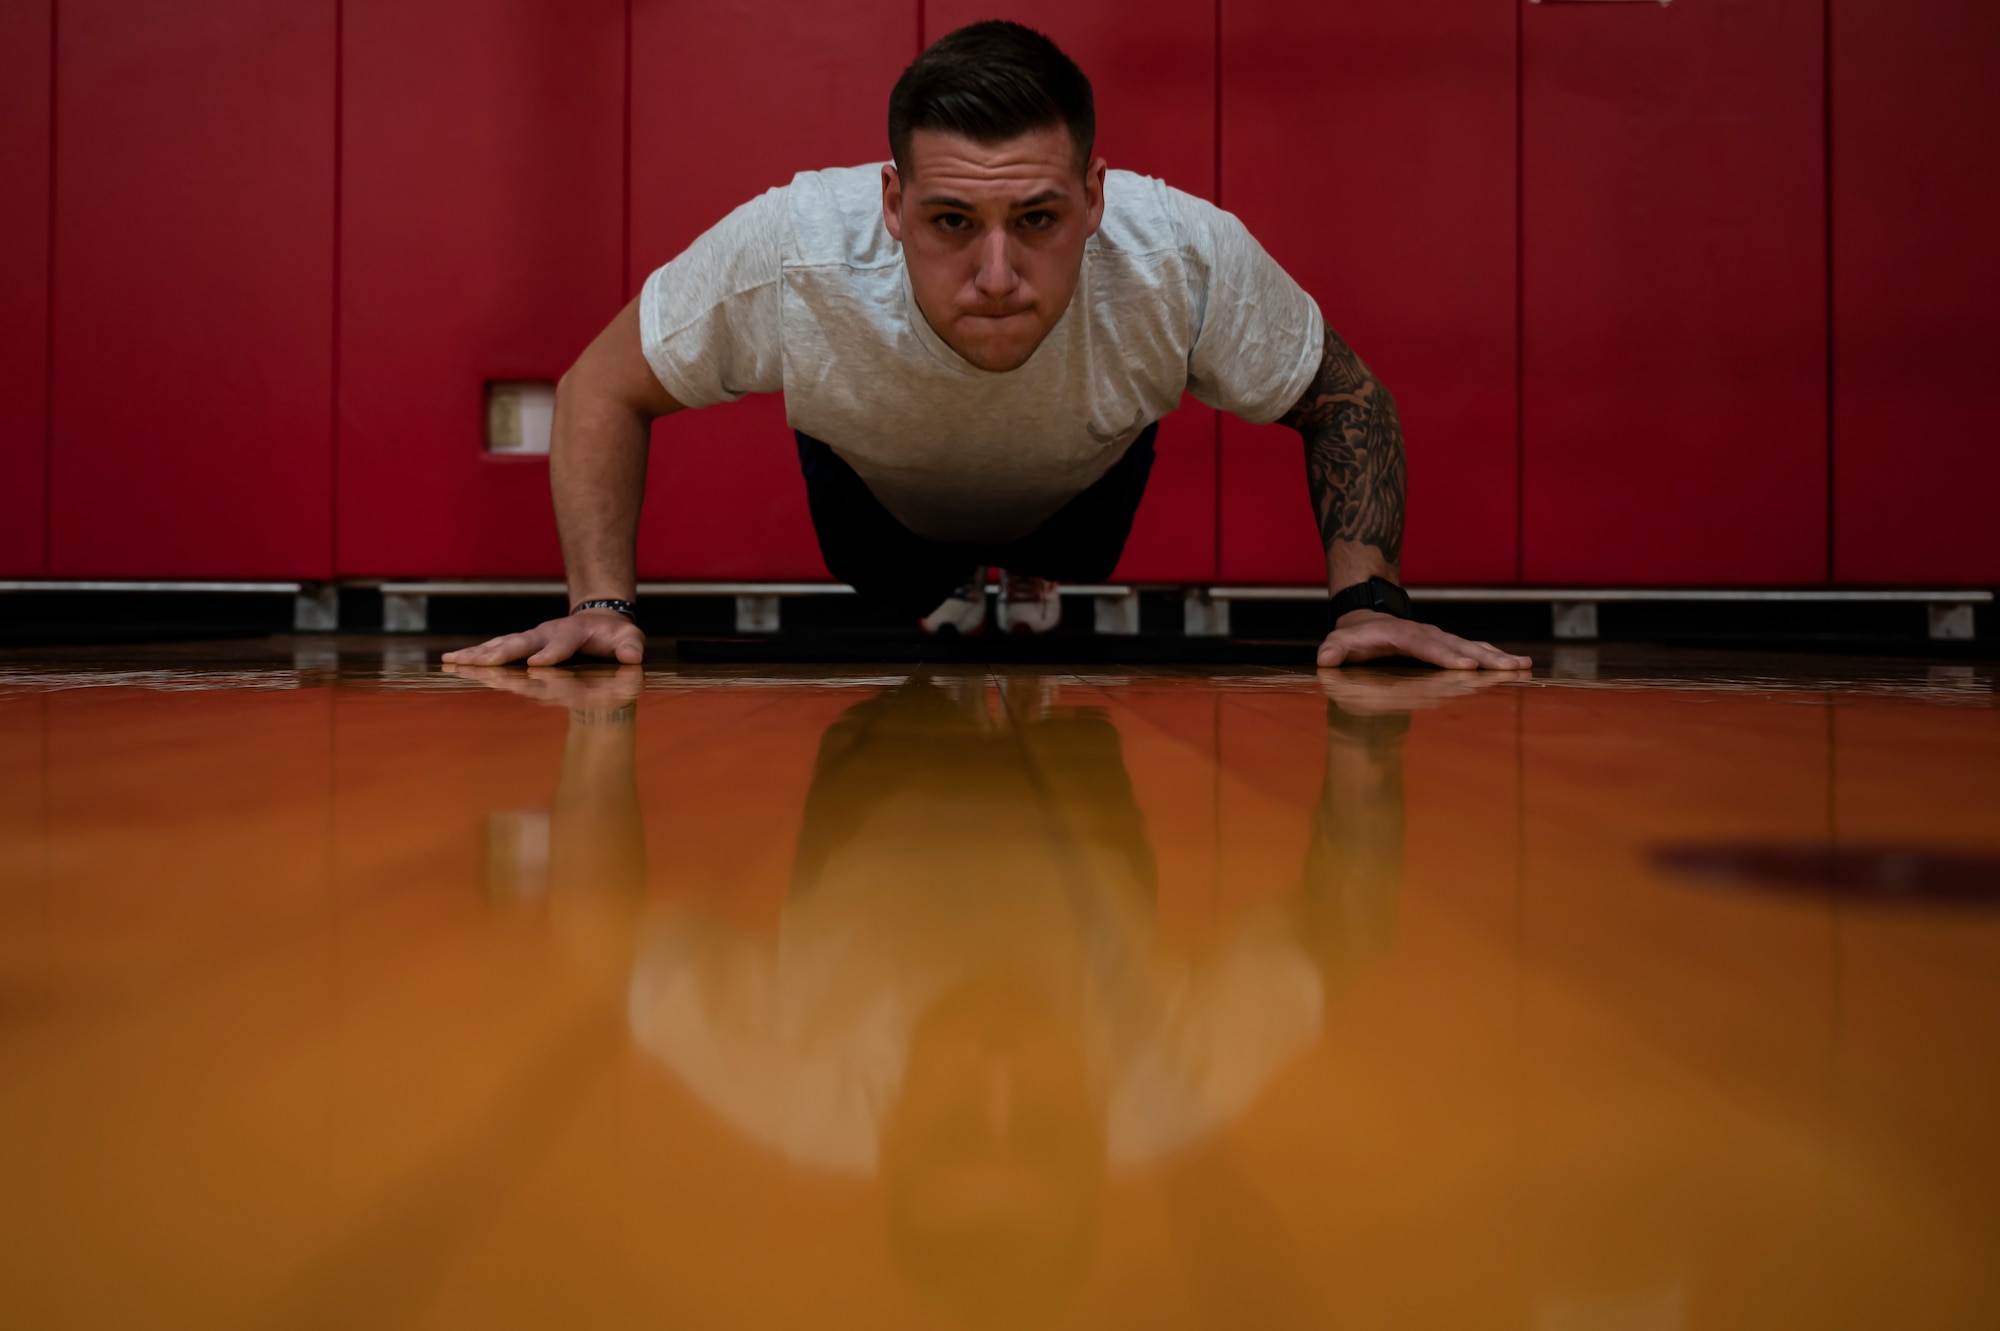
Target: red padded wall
[481, 238]
[1674, 280]
[1370, 147]
[1916, 210]
[25, 67]
[729, 99]
[192, 366]
[1154, 85]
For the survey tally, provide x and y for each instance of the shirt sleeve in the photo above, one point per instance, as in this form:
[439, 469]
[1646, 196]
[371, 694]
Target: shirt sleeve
[709, 319]
[1258, 335]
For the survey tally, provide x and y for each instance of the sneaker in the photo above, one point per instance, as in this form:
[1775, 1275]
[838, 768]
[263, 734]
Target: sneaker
[964, 611]
[1027, 605]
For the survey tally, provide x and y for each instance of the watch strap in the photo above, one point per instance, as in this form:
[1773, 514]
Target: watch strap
[625, 608]
[1377, 594]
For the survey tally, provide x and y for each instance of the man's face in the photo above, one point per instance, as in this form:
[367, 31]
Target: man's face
[993, 1154]
[993, 236]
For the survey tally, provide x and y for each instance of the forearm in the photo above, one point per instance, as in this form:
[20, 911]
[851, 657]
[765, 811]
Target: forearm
[1354, 466]
[597, 472]
[605, 409]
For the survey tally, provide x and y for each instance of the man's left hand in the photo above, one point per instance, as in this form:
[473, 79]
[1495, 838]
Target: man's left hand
[589, 689]
[1368, 635]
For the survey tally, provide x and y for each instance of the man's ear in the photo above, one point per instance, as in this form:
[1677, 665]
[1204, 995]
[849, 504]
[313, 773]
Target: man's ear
[892, 201]
[1093, 193]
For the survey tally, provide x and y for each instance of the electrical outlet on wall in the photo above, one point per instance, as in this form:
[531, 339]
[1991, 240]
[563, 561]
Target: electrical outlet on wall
[519, 417]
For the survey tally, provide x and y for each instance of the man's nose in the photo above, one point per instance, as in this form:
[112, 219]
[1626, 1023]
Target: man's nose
[996, 265]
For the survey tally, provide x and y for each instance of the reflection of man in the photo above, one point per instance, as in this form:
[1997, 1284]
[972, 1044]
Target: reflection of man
[966, 995]
[984, 880]
[975, 343]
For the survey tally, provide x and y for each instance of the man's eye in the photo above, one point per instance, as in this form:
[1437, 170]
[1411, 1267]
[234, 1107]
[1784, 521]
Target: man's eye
[1038, 220]
[952, 222]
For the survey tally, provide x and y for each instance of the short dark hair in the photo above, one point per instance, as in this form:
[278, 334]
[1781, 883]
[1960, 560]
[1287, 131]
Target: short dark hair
[991, 82]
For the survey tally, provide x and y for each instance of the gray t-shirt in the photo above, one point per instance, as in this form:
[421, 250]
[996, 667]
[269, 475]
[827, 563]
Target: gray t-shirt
[803, 291]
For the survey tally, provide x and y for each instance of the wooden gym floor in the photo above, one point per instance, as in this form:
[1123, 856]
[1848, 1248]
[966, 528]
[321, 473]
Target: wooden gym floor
[1656, 990]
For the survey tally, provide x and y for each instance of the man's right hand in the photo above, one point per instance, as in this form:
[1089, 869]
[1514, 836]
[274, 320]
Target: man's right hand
[594, 633]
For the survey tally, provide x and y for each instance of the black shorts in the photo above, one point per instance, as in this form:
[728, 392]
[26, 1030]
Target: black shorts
[869, 549]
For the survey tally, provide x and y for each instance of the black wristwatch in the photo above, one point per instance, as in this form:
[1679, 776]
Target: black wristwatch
[625, 608]
[1374, 594]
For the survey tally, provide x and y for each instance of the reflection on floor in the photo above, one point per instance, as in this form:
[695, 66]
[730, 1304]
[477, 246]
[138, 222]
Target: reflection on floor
[341, 991]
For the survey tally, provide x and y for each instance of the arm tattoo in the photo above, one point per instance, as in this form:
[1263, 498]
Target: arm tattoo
[1354, 452]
